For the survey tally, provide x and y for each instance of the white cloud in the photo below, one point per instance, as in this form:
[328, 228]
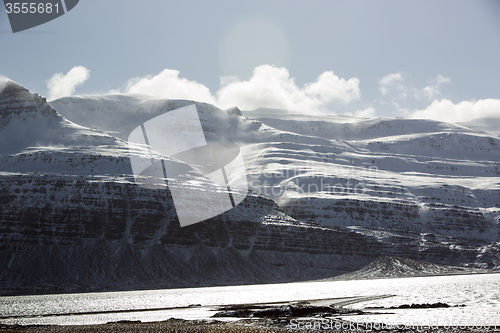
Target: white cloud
[432, 91]
[168, 84]
[225, 80]
[269, 86]
[429, 92]
[445, 110]
[393, 84]
[329, 87]
[61, 85]
[273, 87]
[366, 113]
[441, 79]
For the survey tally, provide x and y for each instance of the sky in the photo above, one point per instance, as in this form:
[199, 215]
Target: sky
[386, 58]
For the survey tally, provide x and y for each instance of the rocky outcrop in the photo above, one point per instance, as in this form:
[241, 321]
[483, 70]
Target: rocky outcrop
[398, 267]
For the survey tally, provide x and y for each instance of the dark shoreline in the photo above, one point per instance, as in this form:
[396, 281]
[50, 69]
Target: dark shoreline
[212, 326]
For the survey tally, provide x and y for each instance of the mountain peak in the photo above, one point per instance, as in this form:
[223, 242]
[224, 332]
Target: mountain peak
[16, 100]
[27, 120]
[10, 87]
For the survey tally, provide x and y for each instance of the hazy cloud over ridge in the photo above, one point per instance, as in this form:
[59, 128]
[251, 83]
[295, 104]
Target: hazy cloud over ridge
[394, 86]
[446, 110]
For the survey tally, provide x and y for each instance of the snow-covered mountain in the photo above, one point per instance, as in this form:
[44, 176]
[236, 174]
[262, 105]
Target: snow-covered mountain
[433, 178]
[329, 195]
[73, 219]
[383, 177]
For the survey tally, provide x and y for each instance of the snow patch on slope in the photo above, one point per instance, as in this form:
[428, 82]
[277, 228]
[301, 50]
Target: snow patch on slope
[397, 267]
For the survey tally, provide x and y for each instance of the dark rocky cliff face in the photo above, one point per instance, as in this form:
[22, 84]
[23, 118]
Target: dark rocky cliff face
[78, 235]
[60, 234]
[72, 219]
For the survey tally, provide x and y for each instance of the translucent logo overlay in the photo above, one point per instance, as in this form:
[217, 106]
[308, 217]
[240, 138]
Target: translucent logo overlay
[28, 14]
[179, 136]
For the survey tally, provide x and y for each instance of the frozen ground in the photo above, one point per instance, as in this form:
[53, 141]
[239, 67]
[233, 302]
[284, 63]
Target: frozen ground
[474, 299]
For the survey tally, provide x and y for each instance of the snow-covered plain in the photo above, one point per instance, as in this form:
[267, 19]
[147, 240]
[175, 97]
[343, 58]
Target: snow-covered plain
[477, 298]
